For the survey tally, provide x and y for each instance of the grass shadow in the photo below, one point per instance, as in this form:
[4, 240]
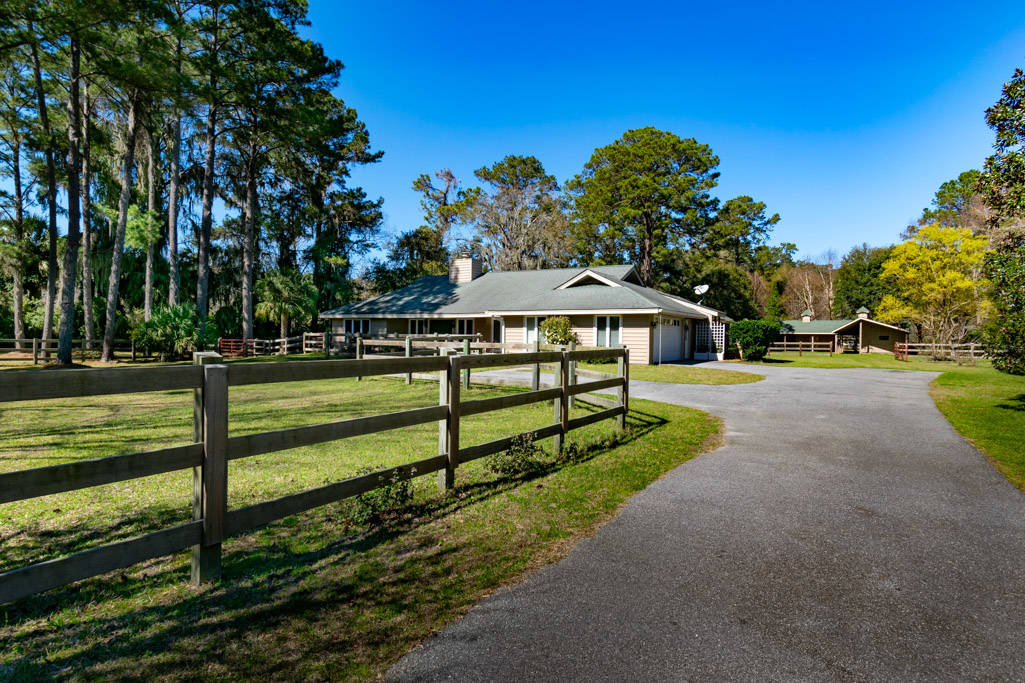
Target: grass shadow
[1016, 403]
[266, 572]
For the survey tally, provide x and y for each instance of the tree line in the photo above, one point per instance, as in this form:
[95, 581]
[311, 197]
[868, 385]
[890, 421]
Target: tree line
[133, 123]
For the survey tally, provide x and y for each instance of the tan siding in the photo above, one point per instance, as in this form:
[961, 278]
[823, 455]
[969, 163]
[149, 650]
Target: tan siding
[583, 327]
[637, 337]
[514, 330]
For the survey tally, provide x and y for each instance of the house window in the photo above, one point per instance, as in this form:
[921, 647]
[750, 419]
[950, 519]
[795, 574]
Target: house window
[533, 330]
[419, 326]
[607, 330]
[464, 326]
[884, 337]
[357, 327]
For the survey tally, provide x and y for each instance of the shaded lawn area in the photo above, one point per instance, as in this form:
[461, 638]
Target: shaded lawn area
[985, 406]
[678, 374]
[314, 595]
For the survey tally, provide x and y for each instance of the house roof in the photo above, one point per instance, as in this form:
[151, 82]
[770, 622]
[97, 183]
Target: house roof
[507, 292]
[813, 326]
[826, 326]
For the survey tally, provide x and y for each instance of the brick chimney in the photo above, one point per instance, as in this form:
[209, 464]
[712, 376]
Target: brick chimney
[863, 313]
[465, 267]
[806, 316]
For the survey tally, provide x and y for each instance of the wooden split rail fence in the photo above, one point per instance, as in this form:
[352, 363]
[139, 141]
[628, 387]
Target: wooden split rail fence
[327, 342]
[212, 449]
[37, 349]
[802, 346]
[941, 351]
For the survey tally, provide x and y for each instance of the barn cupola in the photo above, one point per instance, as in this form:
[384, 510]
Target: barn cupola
[465, 267]
[863, 313]
[806, 316]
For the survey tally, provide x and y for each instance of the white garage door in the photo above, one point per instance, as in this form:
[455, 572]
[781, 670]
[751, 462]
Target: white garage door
[668, 341]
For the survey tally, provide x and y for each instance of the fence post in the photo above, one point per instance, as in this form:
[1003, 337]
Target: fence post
[572, 371]
[359, 351]
[466, 371]
[448, 429]
[624, 391]
[409, 354]
[623, 371]
[35, 352]
[535, 373]
[209, 481]
[559, 405]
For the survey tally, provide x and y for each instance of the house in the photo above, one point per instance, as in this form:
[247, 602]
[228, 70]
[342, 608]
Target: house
[607, 305]
[862, 333]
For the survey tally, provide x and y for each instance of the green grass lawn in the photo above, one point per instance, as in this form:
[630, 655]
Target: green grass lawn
[985, 406]
[679, 374]
[314, 595]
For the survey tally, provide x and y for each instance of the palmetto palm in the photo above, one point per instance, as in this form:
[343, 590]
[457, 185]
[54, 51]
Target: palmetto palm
[286, 296]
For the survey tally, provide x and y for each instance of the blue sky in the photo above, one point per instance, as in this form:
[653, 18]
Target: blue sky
[844, 118]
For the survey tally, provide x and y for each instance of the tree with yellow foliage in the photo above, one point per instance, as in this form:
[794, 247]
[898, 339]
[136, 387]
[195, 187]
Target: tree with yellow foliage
[935, 281]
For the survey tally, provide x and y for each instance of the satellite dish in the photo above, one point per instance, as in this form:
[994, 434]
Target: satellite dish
[700, 289]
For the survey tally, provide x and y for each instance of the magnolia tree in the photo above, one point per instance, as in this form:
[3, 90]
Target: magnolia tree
[1003, 183]
[935, 282]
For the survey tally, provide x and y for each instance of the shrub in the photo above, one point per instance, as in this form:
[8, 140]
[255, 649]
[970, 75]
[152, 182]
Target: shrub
[173, 332]
[753, 337]
[522, 457]
[370, 507]
[1005, 334]
[558, 330]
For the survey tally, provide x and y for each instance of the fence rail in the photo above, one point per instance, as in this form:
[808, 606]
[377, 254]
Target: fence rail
[967, 351]
[35, 349]
[211, 449]
[802, 347]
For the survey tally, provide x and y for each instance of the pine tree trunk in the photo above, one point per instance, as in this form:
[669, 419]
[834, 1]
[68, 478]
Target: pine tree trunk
[206, 221]
[119, 234]
[647, 246]
[87, 246]
[18, 274]
[51, 196]
[249, 246]
[284, 326]
[172, 213]
[70, 274]
[151, 209]
[206, 217]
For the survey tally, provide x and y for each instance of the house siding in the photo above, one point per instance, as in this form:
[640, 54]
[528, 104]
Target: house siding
[635, 333]
[637, 338]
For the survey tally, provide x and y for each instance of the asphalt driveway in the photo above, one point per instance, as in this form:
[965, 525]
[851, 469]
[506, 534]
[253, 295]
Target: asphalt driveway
[844, 530]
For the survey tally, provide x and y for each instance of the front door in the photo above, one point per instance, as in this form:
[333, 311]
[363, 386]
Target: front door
[498, 330]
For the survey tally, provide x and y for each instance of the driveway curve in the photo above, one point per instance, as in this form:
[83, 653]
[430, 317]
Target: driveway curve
[844, 530]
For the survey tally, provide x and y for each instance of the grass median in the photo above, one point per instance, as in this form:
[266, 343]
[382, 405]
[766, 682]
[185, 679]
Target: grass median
[679, 374]
[315, 595]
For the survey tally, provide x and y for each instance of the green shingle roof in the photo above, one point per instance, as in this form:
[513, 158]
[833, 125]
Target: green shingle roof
[813, 327]
[527, 290]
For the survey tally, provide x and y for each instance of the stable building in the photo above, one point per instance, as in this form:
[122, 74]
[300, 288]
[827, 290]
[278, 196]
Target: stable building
[861, 334]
